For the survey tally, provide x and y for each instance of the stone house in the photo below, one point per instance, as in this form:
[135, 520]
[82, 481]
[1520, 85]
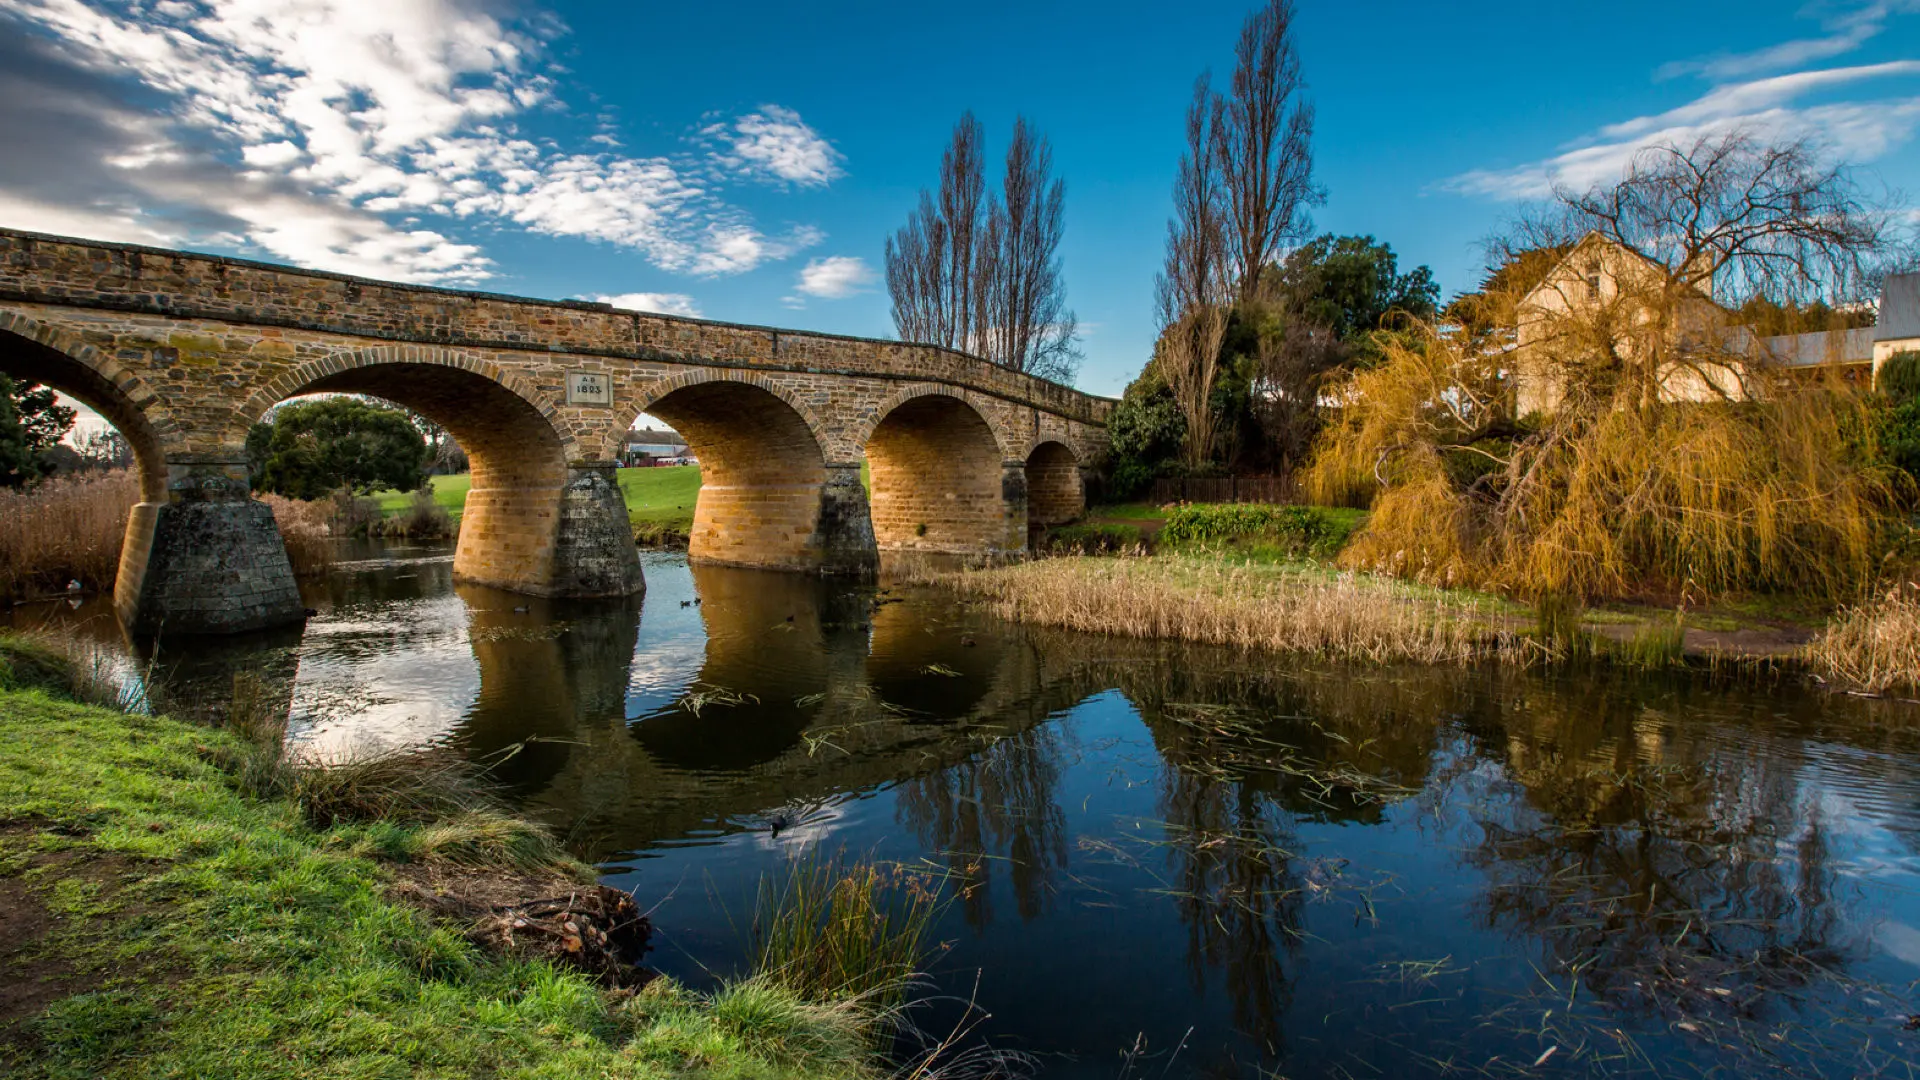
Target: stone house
[1598, 286]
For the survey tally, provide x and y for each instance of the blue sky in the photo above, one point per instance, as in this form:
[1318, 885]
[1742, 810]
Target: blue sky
[746, 161]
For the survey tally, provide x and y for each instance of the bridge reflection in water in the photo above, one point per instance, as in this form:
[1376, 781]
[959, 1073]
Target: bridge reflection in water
[1278, 867]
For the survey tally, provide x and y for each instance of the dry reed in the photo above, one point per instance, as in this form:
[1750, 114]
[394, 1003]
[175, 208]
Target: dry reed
[307, 529]
[1874, 647]
[1348, 616]
[66, 529]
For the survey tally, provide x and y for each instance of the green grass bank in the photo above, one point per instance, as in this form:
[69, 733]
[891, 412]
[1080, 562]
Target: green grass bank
[161, 923]
[661, 498]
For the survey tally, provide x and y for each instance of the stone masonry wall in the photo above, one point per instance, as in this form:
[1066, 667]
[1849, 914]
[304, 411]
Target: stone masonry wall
[184, 352]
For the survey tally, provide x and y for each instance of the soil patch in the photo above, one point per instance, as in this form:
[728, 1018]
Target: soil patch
[38, 972]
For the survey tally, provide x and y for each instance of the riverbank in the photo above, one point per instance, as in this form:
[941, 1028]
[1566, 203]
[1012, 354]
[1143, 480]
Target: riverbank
[156, 920]
[659, 500]
[1260, 600]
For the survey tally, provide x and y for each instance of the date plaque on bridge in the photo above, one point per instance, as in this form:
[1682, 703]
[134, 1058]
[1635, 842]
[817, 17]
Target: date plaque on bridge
[589, 388]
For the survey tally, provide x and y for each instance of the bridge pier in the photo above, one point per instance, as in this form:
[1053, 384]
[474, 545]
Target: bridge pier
[593, 551]
[845, 532]
[1013, 505]
[209, 560]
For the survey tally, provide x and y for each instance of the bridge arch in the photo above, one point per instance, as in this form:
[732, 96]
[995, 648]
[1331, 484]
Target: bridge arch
[939, 476]
[768, 495]
[526, 499]
[35, 352]
[1055, 494]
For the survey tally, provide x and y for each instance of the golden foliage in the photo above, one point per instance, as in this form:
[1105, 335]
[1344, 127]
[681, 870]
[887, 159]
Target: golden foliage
[1612, 499]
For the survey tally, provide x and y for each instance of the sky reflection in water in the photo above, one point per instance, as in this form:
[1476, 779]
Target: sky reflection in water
[1232, 865]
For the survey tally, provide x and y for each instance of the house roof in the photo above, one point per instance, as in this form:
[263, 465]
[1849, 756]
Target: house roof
[1899, 308]
[1594, 238]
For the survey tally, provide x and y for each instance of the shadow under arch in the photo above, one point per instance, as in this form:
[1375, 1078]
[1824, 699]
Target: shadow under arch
[768, 496]
[533, 523]
[1055, 494]
[938, 480]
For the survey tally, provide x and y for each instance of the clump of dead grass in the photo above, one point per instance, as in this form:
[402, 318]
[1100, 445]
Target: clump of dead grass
[1345, 616]
[306, 527]
[1875, 646]
[69, 528]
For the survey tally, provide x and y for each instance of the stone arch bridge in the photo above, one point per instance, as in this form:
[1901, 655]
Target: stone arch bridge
[184, 352]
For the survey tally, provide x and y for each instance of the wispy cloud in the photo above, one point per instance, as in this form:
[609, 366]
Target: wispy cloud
[1857, 131]
[1845, 31]
[662, 303]
[774, 142]
[347, 135]
[835, 277]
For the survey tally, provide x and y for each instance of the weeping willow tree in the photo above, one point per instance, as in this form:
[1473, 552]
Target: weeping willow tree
[1596, 423]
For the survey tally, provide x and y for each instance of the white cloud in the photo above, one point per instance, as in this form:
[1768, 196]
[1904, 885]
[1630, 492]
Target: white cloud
[662, 303]
[321, 131]
[1846, 32]
[835, 277]
[776, 142]
[1856, 131]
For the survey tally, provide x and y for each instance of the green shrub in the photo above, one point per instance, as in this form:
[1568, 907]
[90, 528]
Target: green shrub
[1297, 529]
[1899, 377]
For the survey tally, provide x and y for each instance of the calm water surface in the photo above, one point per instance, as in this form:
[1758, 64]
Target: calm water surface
[1168, 861]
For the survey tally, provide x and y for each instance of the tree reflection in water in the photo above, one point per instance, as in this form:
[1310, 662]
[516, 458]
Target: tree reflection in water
[998, 807]
[1310, 870]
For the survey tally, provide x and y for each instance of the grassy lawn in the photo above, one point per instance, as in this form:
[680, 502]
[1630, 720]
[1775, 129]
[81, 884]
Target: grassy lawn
[165, 924]
[662, 496]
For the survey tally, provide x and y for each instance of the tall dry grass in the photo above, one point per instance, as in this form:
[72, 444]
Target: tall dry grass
[307, 529]
[1873, 647]
[66, 529]
[1347, 616]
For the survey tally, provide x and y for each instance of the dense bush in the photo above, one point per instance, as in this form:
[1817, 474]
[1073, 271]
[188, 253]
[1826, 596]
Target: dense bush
[1899, 430]
[1299, 529]
[309, 449]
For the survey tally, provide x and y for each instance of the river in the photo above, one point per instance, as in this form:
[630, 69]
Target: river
[1165, 860]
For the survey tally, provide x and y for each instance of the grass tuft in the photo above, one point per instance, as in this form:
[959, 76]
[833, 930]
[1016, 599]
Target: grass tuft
[831, 930]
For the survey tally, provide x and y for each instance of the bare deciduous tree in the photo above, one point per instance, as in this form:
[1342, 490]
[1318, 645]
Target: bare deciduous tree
[1193, 291]
[981, 272]
[1263, 146]
[1023, 300]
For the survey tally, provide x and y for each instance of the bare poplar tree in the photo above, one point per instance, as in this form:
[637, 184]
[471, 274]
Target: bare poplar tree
[1194, 291]
[981, 272]
[916, 266]
[1025, 322]
[1264, 146]
[963, 207]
